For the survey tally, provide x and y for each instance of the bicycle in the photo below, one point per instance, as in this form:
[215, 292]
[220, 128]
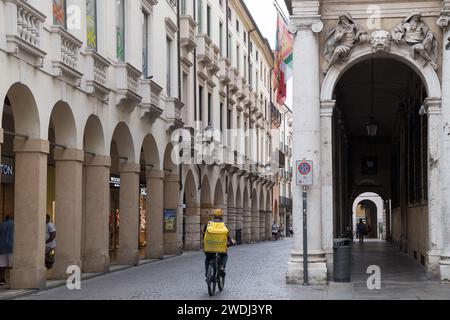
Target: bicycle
[215, 276]
[50, 259]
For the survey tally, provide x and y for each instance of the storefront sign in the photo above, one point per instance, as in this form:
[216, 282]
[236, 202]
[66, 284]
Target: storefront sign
[7, 170]
[114, 182]
[170, 220]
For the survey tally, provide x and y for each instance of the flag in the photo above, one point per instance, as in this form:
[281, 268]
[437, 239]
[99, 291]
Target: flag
[283, 60]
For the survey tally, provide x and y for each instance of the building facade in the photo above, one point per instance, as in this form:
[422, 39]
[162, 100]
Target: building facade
[373, 117]
[109, 125]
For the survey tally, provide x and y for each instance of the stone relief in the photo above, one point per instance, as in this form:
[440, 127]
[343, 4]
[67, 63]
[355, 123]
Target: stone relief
[341, 40]
[380, 40]
[412, 31]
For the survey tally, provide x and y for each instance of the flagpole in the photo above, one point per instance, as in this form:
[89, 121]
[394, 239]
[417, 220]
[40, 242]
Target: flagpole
[280, 12]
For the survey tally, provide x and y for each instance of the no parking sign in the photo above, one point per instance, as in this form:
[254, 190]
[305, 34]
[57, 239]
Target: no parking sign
[304, 172]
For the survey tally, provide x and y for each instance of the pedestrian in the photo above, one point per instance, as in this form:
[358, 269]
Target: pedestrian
[6, 247]
[50, 242]
[274, 231]
[281, 231]
[361, 229]
[291, 231]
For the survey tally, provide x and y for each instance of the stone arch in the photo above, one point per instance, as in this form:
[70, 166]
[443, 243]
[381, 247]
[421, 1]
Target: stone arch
[230, 196]
[205, 196]
[150, 152]
[427, 74]
[219, 198]
[25, 111]
[238, 197]
[191, 216]
[246, 217]
[124, 141]
[94, 138]
[170, 159]
[255, 216]
[63, 123]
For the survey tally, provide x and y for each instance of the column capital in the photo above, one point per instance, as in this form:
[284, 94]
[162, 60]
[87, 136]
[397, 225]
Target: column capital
[433, 106]
[69, 155]
[31, 145]
[444, 20]
[130, 167]
[154, 174]
[327, 107]
[310, 22]
[97, 161]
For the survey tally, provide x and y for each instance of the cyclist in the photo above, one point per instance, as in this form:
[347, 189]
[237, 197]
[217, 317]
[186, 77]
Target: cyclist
[218, 217]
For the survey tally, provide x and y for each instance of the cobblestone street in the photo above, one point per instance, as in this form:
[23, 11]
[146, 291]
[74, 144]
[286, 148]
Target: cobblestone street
[257, 272]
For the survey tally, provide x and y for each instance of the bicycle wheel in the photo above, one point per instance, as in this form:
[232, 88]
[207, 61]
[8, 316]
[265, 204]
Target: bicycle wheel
[221, 281]
[210, 280]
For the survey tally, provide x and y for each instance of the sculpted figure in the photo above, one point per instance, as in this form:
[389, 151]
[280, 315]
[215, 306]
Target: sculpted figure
[341, 40]
[416, 34]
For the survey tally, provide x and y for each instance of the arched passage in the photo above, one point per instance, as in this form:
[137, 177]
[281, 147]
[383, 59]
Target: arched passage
[269, 215]
[191, 217]
[262, 215]
[64, 188]
[24, 186]
[151, 242]
[239, 215]
[124, 207]
[255, 217]
[371, 208]
[231, 211]
[172, 214]
[381, 140]
[99, 227]
[247, 217]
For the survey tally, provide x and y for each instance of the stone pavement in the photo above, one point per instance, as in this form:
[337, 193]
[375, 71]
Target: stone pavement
[257, 272]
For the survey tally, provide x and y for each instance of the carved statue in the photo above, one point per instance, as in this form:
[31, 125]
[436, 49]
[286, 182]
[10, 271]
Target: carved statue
[341, 40]
[416, 34]
[380, 40]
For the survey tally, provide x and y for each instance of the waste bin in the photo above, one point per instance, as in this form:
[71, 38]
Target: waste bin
[238, 237]
[341, 260]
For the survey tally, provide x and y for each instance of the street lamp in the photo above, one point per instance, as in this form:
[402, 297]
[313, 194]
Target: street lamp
[372, 126]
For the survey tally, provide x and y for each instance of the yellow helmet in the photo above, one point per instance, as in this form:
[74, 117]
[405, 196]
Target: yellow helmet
[218, 213]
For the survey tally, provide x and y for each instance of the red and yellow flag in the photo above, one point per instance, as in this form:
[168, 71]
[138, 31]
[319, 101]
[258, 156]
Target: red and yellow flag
[283, 60]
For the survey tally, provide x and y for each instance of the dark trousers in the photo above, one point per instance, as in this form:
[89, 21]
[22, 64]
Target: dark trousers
[361, 237]
[223, 258]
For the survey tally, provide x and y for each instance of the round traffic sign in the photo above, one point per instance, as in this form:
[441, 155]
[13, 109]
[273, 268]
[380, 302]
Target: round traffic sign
[304, 168]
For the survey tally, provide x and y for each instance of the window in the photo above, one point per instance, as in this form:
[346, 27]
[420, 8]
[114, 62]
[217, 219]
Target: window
[229, 46]
[200, 103]
[91, 22]
[183, 7]
[145, 39]
[237, 25]
[245, 37]
[209, 107]
[120, 29]
[208, 20]
[59, 13]
[245, 68]
[229, 13]
[221, 39]
[221, 118]
[169, 67]
[200, 16]
[238, 57]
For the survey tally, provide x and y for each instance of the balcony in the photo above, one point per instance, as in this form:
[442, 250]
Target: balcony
[187, 33]
[204, 49]
[224, 73]
[240, 92]
[233, 83]
[173, 114]
[97, 75]
[66, 49]
[276, 116]
[23, 29]
[151, 102]
[127, 86]
[214, 56]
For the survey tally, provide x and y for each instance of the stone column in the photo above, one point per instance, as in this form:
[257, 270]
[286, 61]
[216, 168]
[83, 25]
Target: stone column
[444, 264]
[97, 194]
[262, 225]
[192, 231]
[247, 225]
[307, 144]
[68, 207]
[326, 163]
[239, 221]
[171, 195]
[231, 212]
[154, 215]
[435, 224]
[128, 252]
[30, 198]
[254, 225]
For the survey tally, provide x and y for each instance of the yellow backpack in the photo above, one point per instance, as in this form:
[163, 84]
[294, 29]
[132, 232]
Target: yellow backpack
[216, 237]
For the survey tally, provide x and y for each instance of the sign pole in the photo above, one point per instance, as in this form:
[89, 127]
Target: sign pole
[305, 237]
